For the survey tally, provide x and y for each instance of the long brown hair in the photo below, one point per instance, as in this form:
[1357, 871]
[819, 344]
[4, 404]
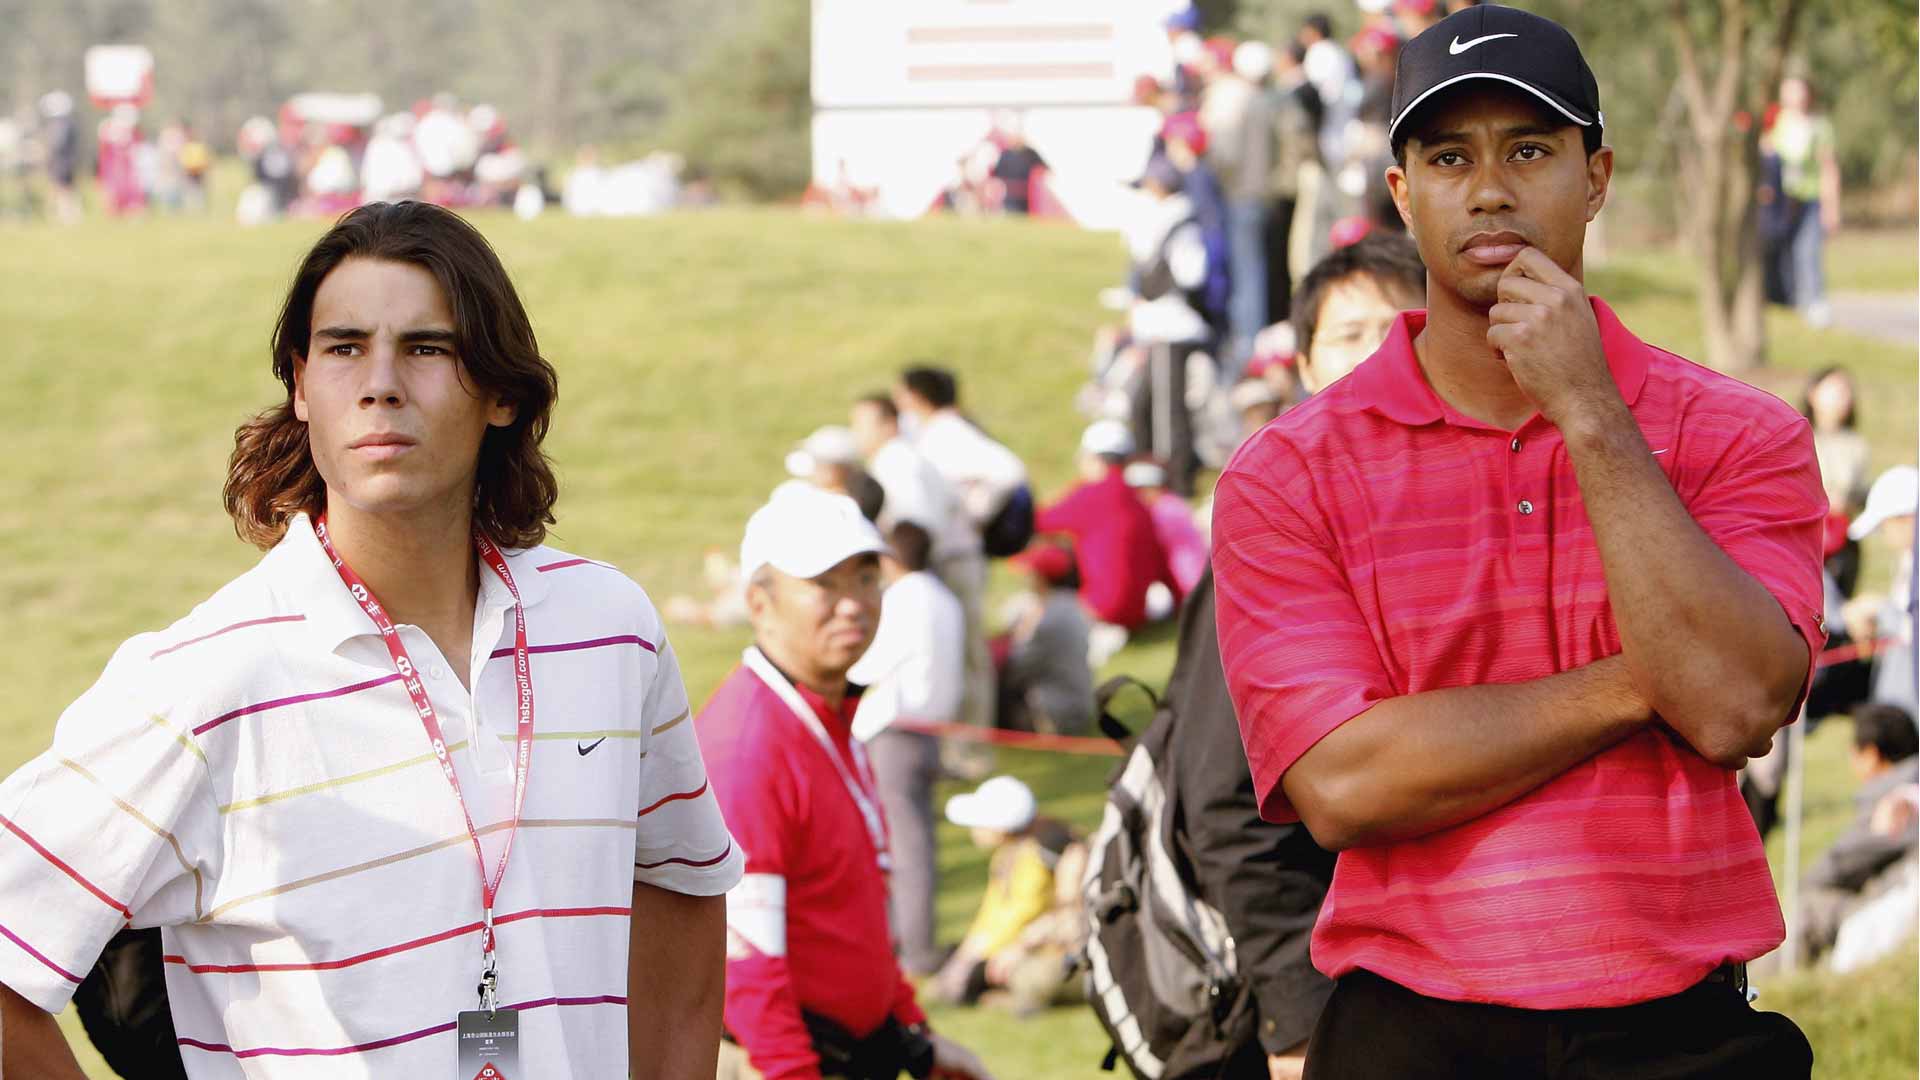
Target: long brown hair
[271, 476]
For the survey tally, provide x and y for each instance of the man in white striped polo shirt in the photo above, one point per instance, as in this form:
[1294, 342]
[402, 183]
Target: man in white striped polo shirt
[381, 792]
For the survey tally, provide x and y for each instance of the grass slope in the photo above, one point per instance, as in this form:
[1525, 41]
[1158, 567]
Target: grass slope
[693, 351]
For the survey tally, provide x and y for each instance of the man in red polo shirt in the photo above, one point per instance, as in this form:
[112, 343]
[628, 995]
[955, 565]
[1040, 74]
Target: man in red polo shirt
[1501, 613]
[813, 989]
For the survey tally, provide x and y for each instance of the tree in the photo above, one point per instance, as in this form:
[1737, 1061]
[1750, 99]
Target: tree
[1719, 50]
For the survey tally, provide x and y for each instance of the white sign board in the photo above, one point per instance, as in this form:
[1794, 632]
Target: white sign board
[119, 74]
[903, 90]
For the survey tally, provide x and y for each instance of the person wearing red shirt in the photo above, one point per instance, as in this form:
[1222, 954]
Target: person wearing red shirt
[1114, 540]
[813, 988]
[1503, 611]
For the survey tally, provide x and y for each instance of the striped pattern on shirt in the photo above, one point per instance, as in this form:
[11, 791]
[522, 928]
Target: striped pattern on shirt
[254, 781]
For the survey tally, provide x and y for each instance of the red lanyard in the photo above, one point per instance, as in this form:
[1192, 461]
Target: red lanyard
[523, 743]
[859, 781]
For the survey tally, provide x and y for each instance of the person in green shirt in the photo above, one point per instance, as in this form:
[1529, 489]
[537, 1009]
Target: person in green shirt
[1803, 142]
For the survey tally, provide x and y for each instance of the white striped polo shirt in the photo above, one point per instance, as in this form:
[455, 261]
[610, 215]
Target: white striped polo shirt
[255, 781]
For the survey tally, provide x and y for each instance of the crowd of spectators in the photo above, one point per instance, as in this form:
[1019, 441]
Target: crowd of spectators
[327, 153]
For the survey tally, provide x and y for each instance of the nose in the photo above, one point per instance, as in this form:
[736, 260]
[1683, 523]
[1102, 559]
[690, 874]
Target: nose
[1491, 192]
[381, 372]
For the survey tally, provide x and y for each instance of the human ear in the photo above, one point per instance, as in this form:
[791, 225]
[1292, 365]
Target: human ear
[1599, 179]
[300, 388]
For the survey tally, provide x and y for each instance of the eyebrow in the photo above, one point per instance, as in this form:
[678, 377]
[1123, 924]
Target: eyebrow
[1518, 131]
[409, 337]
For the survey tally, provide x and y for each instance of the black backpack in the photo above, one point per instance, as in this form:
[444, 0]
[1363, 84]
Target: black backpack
[1159, 962]
[1010, 529]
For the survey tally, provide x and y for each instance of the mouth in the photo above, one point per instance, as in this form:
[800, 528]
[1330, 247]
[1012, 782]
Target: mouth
[383, 445]
[1493, 248]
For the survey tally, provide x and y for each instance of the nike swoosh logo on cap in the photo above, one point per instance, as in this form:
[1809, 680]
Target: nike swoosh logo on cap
[1456, 47]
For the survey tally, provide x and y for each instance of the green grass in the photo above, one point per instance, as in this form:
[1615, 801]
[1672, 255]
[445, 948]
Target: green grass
[1881, 261]
[693, 351]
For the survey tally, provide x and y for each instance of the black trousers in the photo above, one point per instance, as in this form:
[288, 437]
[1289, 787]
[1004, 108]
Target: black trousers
[1376, 1028]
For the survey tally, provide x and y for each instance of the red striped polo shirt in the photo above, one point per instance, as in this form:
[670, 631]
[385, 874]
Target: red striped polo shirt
[1375, 543]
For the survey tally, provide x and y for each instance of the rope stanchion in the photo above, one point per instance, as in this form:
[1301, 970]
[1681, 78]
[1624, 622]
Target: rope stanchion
[1021, 740]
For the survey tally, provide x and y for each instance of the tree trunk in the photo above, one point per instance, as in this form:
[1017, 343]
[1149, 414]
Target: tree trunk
[1718, 165]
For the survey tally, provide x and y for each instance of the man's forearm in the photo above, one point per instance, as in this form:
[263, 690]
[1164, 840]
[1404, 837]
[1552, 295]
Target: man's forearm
[1415, 764]
[1709, 647]
[676, 984]
[31, 1043]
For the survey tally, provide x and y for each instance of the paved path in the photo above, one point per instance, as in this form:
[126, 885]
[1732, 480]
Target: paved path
[1891, 317]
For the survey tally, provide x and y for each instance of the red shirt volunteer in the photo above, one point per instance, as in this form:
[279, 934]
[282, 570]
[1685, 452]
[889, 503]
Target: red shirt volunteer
[1115, 544]
[808, 924]
[1376, 543]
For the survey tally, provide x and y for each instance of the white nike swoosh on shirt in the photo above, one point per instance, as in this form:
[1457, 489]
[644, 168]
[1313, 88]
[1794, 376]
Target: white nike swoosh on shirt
[1457, 46]
[1657, 453]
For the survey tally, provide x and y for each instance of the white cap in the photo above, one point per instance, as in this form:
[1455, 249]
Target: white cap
[1248, 393]
[1253, 60]
[830, 445]
[1109, 437]
[804, 532]
[1002, 803]
[1143, 474]
[1897, 492]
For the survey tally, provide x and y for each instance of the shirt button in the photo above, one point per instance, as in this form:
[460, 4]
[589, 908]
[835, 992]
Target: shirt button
[438, 672]
[1515, 445]
[1525, 507]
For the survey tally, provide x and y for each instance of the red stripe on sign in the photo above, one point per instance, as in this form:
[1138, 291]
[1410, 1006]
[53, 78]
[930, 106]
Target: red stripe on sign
[225, 629]
[676, 797]
[391, 950]
[248, 710]
[685, 862]
[573, 646]
[38, 955]
[65, 869]
[338, 1051]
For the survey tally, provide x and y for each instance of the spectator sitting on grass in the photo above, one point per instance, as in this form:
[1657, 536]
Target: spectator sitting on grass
[1172, 522]
[1113, 534]
[1889, 619]
[1884, 829]
[1026, 926]
[1045, 681]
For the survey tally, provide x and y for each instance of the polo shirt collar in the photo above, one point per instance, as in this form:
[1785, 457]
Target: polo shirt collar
[1391, 383]
[308, 583]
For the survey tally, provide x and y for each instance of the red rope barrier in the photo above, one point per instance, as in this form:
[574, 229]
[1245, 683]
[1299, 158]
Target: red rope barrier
[1083, 744]
[1023, 740]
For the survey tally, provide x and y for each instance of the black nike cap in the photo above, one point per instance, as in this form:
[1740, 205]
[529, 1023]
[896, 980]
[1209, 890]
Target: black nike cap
[1504, 44]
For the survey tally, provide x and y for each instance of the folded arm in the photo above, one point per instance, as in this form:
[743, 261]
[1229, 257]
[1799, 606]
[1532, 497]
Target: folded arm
[1411, 765]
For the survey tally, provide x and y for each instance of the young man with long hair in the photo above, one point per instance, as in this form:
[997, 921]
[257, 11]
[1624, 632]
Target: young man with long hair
[381, 791]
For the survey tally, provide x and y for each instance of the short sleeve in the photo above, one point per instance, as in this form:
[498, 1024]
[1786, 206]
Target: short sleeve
[114, 825]
[1766, 509]
[1299, 656]
[681, 842]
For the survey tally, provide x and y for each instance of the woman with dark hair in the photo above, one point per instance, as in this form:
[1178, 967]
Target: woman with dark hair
[1829, 404]
[258, 779]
